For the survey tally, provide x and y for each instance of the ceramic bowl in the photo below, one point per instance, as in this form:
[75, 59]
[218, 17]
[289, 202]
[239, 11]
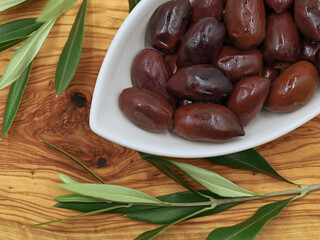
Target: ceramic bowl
[108, 121]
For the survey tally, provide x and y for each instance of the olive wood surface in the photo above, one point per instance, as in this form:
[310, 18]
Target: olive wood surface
[28, 168]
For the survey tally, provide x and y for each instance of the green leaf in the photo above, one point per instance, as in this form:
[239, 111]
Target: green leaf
[4, 5]
[9, 44]
[110, 192]
[75, 160]
[248, 160]
[74, 197]
[151, 214]
[250, 228]
[78, 216]
[71, 53]
[153, 233]
[162, 166]
[208, 179]
[132, 4]
[14, 100]
[54, 9]
[19, 29]
[66, 179]
[25, 54]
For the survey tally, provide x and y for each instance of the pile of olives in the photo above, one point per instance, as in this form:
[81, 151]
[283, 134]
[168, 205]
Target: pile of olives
[215, 64]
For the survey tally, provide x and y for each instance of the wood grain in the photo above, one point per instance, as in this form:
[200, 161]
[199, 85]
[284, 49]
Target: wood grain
[28, 168]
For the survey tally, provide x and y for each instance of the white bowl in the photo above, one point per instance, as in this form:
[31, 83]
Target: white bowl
[108, 121]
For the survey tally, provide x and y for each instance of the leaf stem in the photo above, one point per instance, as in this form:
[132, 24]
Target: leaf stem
[303, 191]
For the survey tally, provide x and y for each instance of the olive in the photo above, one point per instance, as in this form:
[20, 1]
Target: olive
[146, 109]
[238, 63]
[245, 22]
[270, 73]
[279, 6]
[282, 44]
[201, 43]
[307, 18]
[207, 8]
[248, 97]
[150, 70]
[206, 122]
[202, 83]
[309, 51]
[293, 88]
[168, 24]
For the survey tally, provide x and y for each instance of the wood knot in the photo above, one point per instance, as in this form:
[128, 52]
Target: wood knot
[79, 99]
[101, 162]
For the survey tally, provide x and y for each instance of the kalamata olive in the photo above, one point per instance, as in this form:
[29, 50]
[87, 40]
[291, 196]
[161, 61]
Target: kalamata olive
[245, 22]
[238, 63]
[270, 73]
[201, 42]
[307, 18]
[248, 97]
[309, 51]
[202, 83]
[279, 6]
[146, 109]
[293, 88]
[282, 44]
[150, 71]
[207, 122]
[207, 8]
[168, 24]
[172, 62]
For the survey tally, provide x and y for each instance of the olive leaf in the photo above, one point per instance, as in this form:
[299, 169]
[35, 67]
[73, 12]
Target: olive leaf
[250, 228]
[114, 193]
[66, 179]
[208, 179]
[25, 54]
[153, 233]
[4, 5]
[163, 167]
[18, 30]
[14, 100]
[78, 216]
[248, 160]
[132, 4]
[71, 53]
[54, 9]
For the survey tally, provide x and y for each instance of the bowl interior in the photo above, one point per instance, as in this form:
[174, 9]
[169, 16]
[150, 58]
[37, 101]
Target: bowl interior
[107, 120]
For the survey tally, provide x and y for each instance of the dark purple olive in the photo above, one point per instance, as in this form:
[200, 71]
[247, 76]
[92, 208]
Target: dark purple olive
[293, 88]
[270, 73]
[200, 83]
[207, 8]
[282, 44]
[248, 97]
[168, 24]
[206, 122]
[238, 63]
[279, 6]
[201, 43]
[245, 22]
[307, 18]
[309, 51]
[150, 71]
[146, 109]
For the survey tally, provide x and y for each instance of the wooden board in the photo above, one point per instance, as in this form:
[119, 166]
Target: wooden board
[28, 168]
